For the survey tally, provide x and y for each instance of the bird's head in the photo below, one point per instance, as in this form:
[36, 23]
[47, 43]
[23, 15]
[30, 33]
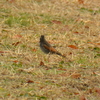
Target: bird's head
[42, 38]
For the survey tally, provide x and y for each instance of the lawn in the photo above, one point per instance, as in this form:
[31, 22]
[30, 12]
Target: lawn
[72, 27]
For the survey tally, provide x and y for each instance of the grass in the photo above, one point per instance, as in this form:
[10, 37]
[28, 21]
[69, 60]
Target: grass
[26, 73]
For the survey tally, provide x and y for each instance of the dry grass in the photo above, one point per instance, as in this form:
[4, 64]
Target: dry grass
[26, 73]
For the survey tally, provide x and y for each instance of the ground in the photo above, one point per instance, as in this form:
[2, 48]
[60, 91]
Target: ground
[72, 27]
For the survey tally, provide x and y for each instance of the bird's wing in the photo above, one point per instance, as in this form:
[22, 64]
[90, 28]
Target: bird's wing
[51, 49]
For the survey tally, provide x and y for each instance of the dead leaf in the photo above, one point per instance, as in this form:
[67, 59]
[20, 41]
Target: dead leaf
[15, 61]
[9, 94]
[82, 97]
[17, 36]
[94, 73]
[94, 43]
[30, 81]
[76, 93]
[37, 82]
[62, 69]
[76, 32]
[76, 75]
[90, 91]
[4, 52]
[41, 63]
[98, 43]
[11, 1]
[70, 53]
[34, 50]
[64, 89]
[81, 1]
[16, 43]
[73, 46]
[41, 87]
[87, 27]
[97, 90]
[64, 74]
[56, 22]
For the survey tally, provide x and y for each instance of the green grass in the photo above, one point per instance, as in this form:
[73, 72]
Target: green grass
[26, 73]
[84, 10]
[21, 20]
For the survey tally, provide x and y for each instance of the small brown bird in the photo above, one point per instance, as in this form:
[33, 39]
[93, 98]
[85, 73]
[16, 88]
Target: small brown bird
[47, 48]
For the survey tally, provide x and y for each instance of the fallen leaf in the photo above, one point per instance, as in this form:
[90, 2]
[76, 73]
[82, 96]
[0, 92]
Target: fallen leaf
[76, 32]
[70, 53]
[87, 27]
[94, 73]
[76, 93]
[41, 63]
[90, 91]
[37, 82]
[56, 22]
[9, 94]
[11, 1]
[17, 36]
[15, 61]
[62, 69]
[81, 1]
[94, 43]
[41, 87]
[30, 81]
[82, 97]
[97, 90]
[73, 46]
[64, 90]
[16, 43]
[34, 50]
[98, 43]
[64, 74]
[4, 52]
[76, 75]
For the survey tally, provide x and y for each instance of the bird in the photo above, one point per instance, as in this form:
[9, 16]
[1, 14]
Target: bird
[47, 48]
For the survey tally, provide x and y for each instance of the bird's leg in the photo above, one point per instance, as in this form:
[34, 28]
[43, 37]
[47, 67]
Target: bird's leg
[48, 56]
